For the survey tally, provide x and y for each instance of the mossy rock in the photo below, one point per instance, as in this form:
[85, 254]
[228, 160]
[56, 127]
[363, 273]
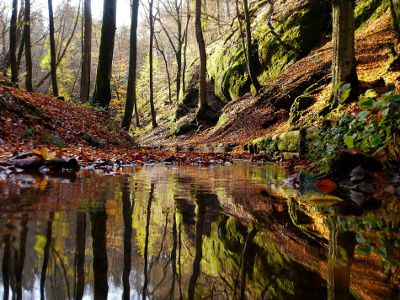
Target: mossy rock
[289, 141]
[291, 36]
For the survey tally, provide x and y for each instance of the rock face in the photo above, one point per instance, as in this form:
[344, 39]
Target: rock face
[293, 31]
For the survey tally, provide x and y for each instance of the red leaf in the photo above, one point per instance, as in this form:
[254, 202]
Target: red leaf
[326, 186]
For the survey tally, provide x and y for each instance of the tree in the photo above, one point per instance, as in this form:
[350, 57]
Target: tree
[176, 38]
[343, 41]
[102, 91]
[52, 50]
[151, 83]
[131, 101]
[13, 42]
[27, 41]
[86, 52]
[249, 53]
[203, 60]
[62, 51]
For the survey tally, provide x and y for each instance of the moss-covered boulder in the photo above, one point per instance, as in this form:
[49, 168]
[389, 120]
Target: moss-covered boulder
[296, 28]
[289, 141]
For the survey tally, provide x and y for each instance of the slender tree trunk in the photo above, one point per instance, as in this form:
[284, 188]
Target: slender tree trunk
[203, 60]
[146, 242]
[228, 9]
[250, 58]
[46, 255]
[28, 53]
[21, 255]
[87, 52]
[151, 18]
[98, 229]
[13, 42]
[102, 91]
[80, 254]
[185, 47]
[200, 219]
[52, 50]
[127, 210]
[5, 268]
[162, 52]
[178, 10]
[131, 101]
[343, 43]
[62, 53]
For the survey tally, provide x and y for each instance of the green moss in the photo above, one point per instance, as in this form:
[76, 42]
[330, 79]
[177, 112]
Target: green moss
[292, 36]
[53, 139]
[289, 142]
[369, 10]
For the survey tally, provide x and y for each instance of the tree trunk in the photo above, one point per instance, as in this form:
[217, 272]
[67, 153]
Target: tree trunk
[131, 101]
[151, 18]
[250, 59]
[87, 52]
[185, 47]
[203, 60]
[52, 50]
[343, 43]
[46, 255]
[98, 230]
[102, 91]
[162, 52]
[28, 53]
[13, 42]
[80, 254]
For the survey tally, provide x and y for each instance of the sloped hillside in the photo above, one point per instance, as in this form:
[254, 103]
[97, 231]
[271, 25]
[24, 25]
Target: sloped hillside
[294, 68]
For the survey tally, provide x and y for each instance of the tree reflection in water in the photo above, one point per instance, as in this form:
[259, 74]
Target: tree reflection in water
[188, 232]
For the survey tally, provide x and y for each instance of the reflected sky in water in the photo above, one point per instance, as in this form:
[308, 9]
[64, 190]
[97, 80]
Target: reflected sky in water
[167, 232]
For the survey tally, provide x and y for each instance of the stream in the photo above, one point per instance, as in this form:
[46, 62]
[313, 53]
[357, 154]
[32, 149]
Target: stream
[190, 232]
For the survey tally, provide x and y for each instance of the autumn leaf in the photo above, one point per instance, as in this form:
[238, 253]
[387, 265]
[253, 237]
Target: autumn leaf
[326, 186]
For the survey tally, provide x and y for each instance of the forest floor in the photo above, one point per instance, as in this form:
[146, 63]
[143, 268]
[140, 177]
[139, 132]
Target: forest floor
[244, 119]
[36, 125]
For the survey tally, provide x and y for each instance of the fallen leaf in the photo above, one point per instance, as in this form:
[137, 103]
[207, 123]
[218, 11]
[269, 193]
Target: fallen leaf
[326, 186]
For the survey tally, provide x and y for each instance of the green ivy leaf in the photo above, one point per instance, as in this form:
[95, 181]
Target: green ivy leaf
[375, 140]
[349, 141]
[364, 249]
[366, 103]
[393, 98]
[345, 95]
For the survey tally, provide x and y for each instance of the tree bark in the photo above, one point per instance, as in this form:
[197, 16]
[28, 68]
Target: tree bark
[13, 42]
[87, 52]
[250, 58]
[131, 101]
[203, 60]
[151, 83]
[27, 39]
[102, 91]
[52, 50]
[185, 47]
[343, 44]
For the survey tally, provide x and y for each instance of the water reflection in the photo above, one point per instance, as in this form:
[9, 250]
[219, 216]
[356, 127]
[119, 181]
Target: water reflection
[188, 233]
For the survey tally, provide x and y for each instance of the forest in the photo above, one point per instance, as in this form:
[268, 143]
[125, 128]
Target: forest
[219, 76]
[196, 149]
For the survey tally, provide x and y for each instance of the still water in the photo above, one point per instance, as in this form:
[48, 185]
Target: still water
[167, 232]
